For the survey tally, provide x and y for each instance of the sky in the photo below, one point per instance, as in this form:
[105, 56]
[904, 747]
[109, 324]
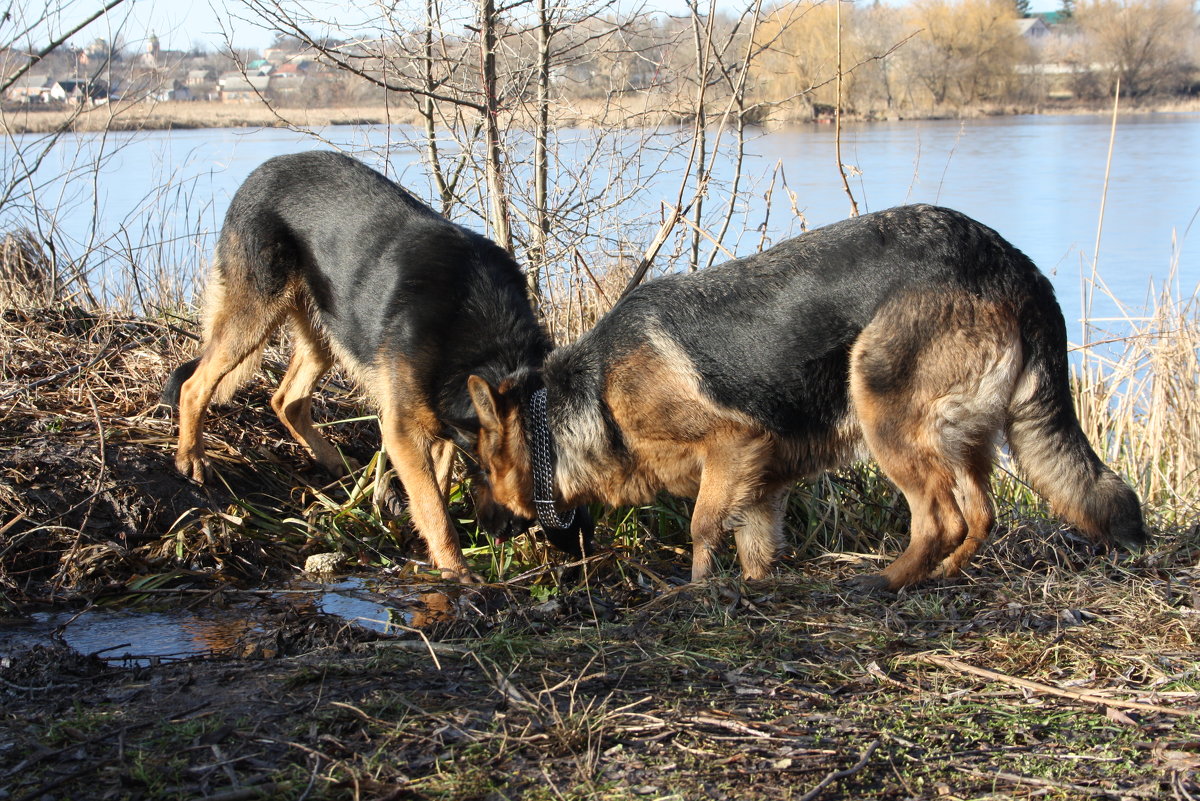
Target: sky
[181, 24]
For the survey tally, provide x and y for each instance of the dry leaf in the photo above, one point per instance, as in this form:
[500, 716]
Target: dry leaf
[1117, 716]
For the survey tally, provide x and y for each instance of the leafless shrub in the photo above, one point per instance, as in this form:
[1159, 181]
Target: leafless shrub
[26, 277]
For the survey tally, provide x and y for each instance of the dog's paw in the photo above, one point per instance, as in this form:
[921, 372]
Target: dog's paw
[391, 503]
[870, 584]
[467, 577]
[460, 573]
[193, 464]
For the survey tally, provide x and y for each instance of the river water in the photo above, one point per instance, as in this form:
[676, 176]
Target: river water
[1038, 180]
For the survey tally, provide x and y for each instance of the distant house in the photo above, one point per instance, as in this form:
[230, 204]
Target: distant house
[1053, 18]
[238, 88]
[30, 89]
[289, 72]
[260, 66]
[1033, 29]
[201, 77]
[78, 91]
[179, 92]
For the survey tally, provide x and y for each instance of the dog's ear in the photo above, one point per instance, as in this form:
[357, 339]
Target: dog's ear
[486, 403]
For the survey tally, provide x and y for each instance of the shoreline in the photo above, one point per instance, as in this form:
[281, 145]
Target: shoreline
[199, 115]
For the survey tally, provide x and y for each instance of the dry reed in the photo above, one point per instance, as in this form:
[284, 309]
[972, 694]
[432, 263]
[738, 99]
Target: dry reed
[1138, 397]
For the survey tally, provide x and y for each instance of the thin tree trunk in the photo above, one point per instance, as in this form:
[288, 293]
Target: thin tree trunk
[837, 117]
[541, 157]
[428, 108]
[497, 198]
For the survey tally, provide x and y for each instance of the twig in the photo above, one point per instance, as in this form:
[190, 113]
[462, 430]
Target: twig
[731, 725]
[837, 117]
[246, 793]
[426, 646]
[841, 774]
[1087, 698]
[692, 224]
[36, 58]
[70, 371]
[1112, 136]
[1030, 780]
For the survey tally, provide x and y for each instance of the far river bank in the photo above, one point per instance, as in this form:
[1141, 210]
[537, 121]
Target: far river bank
[632, 112]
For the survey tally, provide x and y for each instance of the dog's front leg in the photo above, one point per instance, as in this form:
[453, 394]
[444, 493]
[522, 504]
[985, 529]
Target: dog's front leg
[410, 453]
[759, 533]
[728, 480]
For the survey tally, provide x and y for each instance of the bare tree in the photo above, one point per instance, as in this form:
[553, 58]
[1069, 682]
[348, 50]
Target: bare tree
[36, 187]
[1147, 45]
[496, 85]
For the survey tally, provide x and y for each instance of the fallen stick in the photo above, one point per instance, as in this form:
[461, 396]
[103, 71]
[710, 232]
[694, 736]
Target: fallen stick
[1087, 698]
[1075, 788]
[841, 774]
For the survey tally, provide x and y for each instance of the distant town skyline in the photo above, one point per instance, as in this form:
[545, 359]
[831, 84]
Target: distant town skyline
[184, 24]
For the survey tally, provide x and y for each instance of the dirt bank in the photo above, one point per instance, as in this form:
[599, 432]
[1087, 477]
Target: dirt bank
[166, 116]
[786, 689]
[188, 115]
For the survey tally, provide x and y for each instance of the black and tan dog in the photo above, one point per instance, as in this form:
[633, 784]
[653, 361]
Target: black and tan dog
[408, 302]
[915, 335]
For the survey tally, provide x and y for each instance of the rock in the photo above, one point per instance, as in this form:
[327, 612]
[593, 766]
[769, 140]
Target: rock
[322, 564]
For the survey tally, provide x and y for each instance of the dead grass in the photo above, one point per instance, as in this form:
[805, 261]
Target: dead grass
[631, 111]
[201, 114]
[1139, 402]
[1046, 681]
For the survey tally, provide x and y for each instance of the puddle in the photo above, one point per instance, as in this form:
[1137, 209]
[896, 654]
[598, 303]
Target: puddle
[134, 637]
[375, 606]
[131, 637]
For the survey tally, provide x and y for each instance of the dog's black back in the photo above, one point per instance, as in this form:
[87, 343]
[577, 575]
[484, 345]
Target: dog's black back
[770, 334]
[384, 273]
[915, 334]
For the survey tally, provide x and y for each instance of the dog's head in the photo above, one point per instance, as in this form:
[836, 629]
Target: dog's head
[502, 448]
[494, 518]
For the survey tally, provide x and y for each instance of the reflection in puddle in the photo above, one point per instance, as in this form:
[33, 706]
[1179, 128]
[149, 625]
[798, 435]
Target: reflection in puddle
[132, 637]
[371, 606]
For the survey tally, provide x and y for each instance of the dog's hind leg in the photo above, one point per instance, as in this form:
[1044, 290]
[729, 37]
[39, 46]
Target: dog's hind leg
[975, 503]
[930, 381]
[938, 525]
[759, 533]
[237, 327]
[292, 401]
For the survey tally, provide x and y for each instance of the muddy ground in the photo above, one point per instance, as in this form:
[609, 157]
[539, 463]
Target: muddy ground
[1047, 671]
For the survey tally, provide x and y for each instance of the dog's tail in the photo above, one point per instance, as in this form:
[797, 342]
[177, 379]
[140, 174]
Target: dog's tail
[170, 390]
[1051, 449]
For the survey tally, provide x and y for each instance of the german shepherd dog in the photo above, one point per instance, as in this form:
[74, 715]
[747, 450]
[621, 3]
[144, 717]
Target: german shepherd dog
[408, 302]
[915, 335]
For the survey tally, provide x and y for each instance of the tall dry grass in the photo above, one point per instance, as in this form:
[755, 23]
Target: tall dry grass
[1138, 397]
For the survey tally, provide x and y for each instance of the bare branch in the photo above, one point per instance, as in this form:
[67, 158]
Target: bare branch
[54, 44]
